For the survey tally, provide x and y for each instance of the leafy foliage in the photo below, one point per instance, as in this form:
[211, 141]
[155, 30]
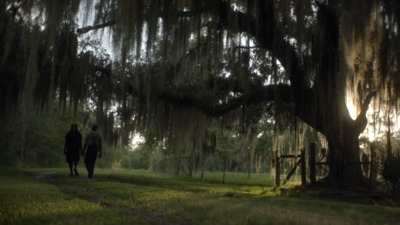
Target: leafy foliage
[34, 140]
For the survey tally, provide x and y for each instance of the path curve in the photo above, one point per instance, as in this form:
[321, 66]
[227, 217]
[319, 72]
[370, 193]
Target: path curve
[153, 218]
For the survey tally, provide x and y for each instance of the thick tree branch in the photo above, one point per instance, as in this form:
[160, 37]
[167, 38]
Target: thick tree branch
[264, 28]
[270, 93]
[361, 121]
[95, 27]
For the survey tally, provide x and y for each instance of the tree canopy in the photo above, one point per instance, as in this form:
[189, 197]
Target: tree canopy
[182, 65]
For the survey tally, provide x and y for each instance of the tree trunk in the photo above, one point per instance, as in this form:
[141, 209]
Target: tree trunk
[343, 157]
[191, 166]
[332, 116]
[177, 165]
[223, 173]
[342, 133]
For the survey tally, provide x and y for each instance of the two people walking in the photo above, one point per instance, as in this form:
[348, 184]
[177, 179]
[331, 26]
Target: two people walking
[73, 146]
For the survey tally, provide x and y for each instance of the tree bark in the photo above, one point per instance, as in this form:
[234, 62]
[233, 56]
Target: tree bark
[343, 155]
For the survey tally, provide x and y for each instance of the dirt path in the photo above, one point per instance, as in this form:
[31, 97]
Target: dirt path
[153, 218]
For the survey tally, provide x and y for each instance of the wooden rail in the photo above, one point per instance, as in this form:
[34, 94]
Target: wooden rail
[301, 162]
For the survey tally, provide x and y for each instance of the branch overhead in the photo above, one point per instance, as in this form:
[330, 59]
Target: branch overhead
[216, 108]
[84, 30]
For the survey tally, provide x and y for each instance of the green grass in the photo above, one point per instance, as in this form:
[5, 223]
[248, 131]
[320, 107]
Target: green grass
[143, 197]
[25, 199]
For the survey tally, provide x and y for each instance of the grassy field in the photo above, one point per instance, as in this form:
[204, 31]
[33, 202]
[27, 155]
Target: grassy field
[50, 196]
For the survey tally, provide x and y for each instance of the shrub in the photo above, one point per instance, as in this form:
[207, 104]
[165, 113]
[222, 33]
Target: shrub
[391, 169]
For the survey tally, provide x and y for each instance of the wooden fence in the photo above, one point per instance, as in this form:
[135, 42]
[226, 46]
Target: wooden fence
[301, 162]
[312, 163]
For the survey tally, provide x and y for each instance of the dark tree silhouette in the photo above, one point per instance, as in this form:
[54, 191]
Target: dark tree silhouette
[184, 64]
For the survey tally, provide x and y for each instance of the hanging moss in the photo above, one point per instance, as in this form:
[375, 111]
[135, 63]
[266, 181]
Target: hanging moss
[214, 52]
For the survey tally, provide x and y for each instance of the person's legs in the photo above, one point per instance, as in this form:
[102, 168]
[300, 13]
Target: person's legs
[90, 159]
[75, 169]
[87, 163]
[69, 160]
[91, 171]
[93, 164]
[70, 168]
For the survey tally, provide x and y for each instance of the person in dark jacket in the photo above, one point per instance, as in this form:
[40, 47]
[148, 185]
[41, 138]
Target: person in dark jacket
[93, 144]
[73, 145]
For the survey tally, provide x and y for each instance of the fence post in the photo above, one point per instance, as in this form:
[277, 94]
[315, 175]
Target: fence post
[372, 174]
[303, 167]
[277, 170]
[312, 163]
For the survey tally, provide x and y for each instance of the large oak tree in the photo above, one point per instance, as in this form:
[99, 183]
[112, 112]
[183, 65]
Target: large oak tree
[232, 60]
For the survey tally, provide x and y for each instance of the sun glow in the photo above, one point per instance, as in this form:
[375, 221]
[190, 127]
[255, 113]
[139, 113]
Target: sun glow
[351, 108]
[377, 117]
[136, 141]
[369, 131]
